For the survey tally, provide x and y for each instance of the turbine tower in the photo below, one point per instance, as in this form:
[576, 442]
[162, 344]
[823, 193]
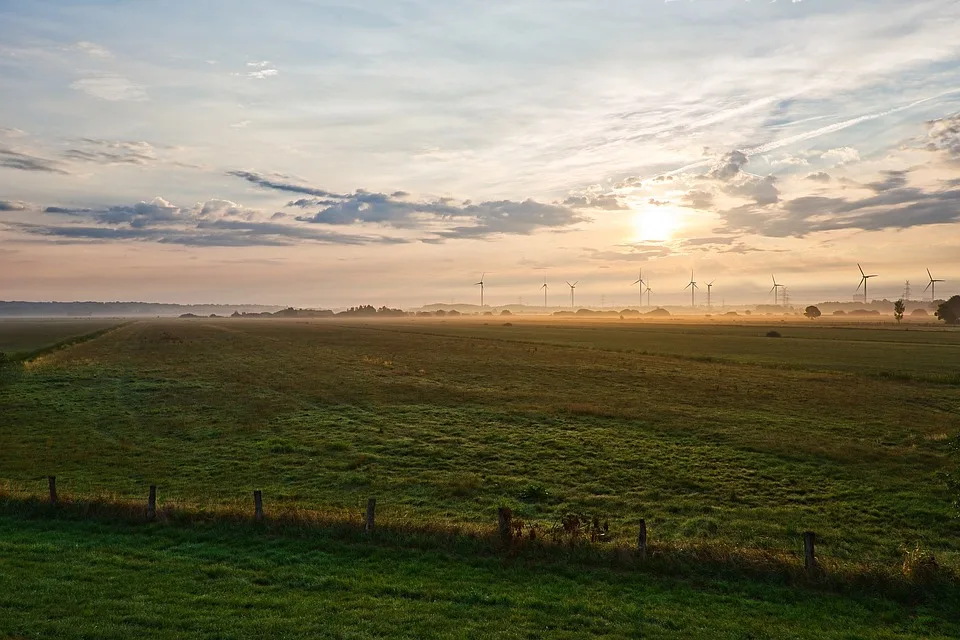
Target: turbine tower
[573, 287]
[693, 290]
[544, 287]
[709, 291]
[641, 283]
[932, 285]
[480, 284]
[863, 282]
[776, 290]
[649, 291]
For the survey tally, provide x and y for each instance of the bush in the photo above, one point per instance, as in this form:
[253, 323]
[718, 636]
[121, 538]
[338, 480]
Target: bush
[920, 565]
[773, 334]
[506, 312]
[534, 493]
[919, 312]
[839, 312]
[812, 312]
[949, 311]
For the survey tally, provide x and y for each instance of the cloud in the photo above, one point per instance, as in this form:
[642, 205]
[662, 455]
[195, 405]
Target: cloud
[607, 201]
[728, 166]
[891, 180]
[658, 203]
[818, 176]
[219, 223]
[12, 205]
[944, 135]
[634, 253]
[93, 49]
[841, 156]
[698, 199]
[269, 183]
[110, 87]
[469, 220]
[111, 152]
[729, 171]
[11, 159]
[895, 208]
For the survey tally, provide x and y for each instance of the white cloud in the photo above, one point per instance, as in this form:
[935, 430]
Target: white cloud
[841, 156]
[110, 87]
[93, 49]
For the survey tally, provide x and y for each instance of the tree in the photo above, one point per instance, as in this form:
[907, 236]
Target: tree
[898, 309]
[949, 311]
[812, 312]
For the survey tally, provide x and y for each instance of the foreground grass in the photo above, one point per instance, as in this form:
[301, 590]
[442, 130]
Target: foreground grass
[70, 578]
[448, 427]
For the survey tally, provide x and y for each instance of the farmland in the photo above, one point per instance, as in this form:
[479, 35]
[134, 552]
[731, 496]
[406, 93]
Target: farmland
[712, 433]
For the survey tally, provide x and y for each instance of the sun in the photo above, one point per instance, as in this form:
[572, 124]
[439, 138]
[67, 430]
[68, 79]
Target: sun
[656, 223]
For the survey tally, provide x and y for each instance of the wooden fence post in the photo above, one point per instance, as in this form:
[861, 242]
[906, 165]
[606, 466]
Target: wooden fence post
[642, 540]
[152, 504]
[258, 505]
[371, 511]
[809, 552]
[505, 522]
[52, 481]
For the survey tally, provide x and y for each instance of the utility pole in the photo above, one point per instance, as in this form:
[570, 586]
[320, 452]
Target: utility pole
[906, 291]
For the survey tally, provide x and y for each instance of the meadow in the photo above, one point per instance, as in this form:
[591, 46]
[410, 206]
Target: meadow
[22, 336]
[713, 433]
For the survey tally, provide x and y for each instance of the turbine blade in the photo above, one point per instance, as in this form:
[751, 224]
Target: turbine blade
[861, 283]
[637, 282]
[929, 274]
[861, 268]
[929, 284]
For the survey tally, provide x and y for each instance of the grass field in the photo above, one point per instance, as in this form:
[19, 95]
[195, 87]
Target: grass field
[19, 336]
[714, 434]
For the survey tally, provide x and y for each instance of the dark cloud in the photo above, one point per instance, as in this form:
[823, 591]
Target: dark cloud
[763, 191]
[607, 201]
[944, 135]
[111, 152]
[11, 159]
[819, 176]
[213, 223]
[470, 220]
[267, 183]
[12, 205]
[658, 203]
[729, 166]
[893, 209]
[891, 180]
[697, 199]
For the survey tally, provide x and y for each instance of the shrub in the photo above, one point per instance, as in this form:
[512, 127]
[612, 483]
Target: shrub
[773, 334]
[534, 493]
[506, 312]
[919, 312]
[920, 565]
[949, 311]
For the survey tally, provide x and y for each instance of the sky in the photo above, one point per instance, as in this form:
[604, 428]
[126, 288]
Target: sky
[325, 154]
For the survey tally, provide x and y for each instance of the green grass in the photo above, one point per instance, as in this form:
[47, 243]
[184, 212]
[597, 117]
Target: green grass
[726, 437]
[19, 337]
[82, 579]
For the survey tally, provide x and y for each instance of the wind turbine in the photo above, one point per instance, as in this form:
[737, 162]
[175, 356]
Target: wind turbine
[863, 282]
[573, 288]
[932, 285]
[544, 287]
[709, 287]
[693, 290]
[649, 291]
[776, 290]
[480, 284]
[641, 283]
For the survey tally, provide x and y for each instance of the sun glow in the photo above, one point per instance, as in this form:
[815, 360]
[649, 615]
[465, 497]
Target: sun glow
[656, 224]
